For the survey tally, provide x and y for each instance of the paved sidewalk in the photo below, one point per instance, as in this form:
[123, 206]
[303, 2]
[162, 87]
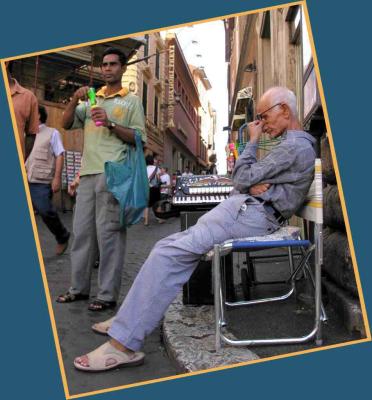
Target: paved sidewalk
[188, 331]
[74, 320]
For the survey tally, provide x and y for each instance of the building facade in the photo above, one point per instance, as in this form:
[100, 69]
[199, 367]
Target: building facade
[181, 119]
[272, 48]
[207, 117]
[212, 132]
[267, 49]
[146, 79]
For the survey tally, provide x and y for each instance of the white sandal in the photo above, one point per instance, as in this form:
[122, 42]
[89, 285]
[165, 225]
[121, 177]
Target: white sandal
[103, 327]
[107, 357]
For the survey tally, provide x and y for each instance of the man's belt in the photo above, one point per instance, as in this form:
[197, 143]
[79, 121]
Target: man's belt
[269, 208]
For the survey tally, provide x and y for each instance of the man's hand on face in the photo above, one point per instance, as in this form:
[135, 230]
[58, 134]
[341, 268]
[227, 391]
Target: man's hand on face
[255, 131]
[99, 114]
[258, 189]
[81, 93]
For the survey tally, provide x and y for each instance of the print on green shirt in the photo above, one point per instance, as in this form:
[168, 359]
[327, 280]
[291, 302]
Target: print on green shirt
[100, 144]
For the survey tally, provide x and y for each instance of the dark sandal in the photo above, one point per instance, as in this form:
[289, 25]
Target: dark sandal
[101, 305]
[69, 297]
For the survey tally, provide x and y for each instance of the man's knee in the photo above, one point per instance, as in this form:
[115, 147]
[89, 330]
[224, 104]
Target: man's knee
[44, 208]
[164, 248]
[48, 214]
[165, 242]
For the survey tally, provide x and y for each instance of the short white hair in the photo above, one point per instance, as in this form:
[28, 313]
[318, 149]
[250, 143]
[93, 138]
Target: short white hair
[279, 94]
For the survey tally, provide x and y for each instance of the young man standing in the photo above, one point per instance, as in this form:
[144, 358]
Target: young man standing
[108, 130]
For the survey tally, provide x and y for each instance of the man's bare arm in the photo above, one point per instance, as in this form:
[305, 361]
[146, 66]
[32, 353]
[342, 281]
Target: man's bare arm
[56, 183]
[127, 135]
[69, 113]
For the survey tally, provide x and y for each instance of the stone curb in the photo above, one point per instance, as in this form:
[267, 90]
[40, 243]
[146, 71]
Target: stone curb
[188, 334]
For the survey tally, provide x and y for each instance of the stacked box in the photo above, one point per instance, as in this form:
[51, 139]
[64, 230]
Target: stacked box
[71, 167]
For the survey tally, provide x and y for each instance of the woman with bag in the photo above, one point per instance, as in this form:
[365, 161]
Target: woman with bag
[153, 174]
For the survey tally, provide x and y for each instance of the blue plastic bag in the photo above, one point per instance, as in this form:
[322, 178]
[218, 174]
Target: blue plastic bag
[128, 183]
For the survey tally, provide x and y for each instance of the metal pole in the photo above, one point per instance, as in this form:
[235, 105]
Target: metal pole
[217, 294]
[91, 68]
[318, 283]
[36, 73]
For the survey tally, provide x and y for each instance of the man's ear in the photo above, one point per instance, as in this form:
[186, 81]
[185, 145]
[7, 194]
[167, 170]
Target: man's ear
[286, 110]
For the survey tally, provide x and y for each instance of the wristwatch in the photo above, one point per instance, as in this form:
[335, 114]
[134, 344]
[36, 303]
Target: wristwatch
[111, 125]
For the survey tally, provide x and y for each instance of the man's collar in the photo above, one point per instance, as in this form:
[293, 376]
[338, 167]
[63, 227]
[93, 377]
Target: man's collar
[102, 92]
[300, 133]
[291, 132]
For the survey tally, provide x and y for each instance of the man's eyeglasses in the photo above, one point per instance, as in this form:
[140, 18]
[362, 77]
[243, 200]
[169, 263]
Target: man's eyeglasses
[259, 117]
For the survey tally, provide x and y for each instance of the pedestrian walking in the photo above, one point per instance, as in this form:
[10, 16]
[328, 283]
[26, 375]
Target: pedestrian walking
[44, 170]
[153, 174]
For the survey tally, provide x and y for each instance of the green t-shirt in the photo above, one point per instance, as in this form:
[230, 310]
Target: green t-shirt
[100, 144]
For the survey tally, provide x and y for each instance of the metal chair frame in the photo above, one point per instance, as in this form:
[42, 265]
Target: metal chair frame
[307, 249]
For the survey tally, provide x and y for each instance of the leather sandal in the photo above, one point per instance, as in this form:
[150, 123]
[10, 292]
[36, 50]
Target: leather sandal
[102, 327]
[101, 305]
[70, 297]
[107, 357]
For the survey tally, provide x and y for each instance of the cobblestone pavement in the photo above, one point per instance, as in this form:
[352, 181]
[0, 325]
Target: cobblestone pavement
[189, 349]
[74, 320]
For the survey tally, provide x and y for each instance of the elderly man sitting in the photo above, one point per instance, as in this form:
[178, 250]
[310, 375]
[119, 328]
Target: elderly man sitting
[266, 193]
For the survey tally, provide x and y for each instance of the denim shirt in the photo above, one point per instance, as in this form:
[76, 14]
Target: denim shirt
[289, 168]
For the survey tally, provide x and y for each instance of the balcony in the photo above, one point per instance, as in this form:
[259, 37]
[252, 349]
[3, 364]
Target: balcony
[146, 70]
[158, 85]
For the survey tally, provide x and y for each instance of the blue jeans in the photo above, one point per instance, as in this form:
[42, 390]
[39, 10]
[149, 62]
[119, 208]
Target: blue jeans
[41, 196]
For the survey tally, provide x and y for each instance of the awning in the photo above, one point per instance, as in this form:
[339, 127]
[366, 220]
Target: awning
[59, 74]
[83, 55]
[202, 162]
[243, 97]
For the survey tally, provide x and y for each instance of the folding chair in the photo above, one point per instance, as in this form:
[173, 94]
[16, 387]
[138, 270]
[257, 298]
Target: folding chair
[289, 237]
